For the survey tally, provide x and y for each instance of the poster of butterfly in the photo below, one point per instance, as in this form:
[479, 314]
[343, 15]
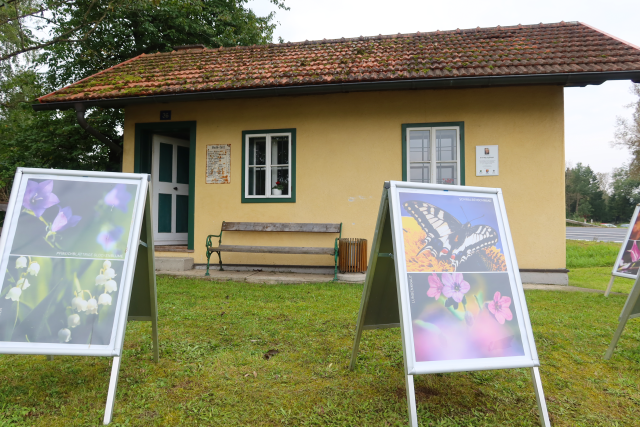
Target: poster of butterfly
[628, 261]
[462, 295]
[64, 256]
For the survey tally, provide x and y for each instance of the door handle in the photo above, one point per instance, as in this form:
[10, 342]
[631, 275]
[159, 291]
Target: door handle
[175, 188]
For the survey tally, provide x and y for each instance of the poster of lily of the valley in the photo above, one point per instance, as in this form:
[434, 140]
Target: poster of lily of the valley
[63, 260]
[460, 293]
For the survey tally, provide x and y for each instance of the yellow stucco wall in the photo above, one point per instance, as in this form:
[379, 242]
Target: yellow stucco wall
[349, 144]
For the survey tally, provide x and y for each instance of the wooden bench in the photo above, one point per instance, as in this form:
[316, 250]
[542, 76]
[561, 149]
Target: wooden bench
[287, 227]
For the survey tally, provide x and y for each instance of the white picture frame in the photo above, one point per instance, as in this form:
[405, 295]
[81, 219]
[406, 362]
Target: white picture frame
[114, 348]
[530, 358]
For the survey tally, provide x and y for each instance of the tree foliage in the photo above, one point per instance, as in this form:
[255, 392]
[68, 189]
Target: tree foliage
[583, 195]
[46, 44]
[601, 197]
[26, 25]
[625, 194]
[142, 26]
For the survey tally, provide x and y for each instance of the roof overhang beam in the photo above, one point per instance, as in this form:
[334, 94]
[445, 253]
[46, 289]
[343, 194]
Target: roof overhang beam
[562, 79]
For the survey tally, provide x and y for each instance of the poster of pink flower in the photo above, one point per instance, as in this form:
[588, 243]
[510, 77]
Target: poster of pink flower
[463, 316]
[628, 261]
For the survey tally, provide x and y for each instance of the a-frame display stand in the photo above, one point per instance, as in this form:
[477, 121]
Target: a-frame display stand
[143, 304]
[630, 310]
[381, 304]
[96, 194]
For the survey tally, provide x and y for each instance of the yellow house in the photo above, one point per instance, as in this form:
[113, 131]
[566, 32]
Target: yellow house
[308, 132]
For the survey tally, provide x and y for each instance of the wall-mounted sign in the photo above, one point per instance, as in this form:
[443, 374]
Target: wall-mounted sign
[165, 115]
[443, 268]
[218, 164]
[69, 251]
[487, 160]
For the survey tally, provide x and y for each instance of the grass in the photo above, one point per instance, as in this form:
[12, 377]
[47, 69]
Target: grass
[582, 254]
[591, 263]
[212, 371]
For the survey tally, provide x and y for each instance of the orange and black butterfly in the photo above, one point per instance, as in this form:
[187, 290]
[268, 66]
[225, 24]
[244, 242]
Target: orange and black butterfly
[447, 238]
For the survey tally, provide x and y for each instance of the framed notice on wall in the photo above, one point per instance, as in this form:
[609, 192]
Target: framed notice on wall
[218, 164]
[71, 246]
[487, 163]
[445, 254]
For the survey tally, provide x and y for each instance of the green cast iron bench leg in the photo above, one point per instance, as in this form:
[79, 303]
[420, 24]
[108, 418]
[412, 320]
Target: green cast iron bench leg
[208, 259]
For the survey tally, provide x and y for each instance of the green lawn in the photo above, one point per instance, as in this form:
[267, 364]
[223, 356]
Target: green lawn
[212, 371]
[590, 265]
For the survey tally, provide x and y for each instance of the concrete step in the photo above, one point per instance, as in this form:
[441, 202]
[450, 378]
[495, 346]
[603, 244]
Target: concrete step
[174, 264]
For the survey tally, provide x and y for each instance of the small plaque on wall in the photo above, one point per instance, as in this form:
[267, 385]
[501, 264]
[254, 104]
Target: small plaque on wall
[219, 164]
[487, 160]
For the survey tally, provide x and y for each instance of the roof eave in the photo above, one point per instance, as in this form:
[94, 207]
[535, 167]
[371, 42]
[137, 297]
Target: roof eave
[564, 79]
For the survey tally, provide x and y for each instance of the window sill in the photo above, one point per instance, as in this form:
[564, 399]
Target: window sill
[268, 199]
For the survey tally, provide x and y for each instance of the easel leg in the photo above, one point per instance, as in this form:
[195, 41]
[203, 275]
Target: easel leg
[113, 386]
[151, 262]
[616, 337]
[606, 294]
[356, 347]
[154, 337]
[411, 401]
[542, 404]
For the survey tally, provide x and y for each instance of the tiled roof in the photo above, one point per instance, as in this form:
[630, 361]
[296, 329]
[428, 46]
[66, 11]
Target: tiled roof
[501, 51]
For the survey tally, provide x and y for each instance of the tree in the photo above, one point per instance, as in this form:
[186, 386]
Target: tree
[25, 25]
[625, 194]
[72, 39]
[142, 26]
[583, 195]
[628, 135]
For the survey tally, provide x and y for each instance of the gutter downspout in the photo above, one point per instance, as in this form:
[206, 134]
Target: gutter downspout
[80, 110]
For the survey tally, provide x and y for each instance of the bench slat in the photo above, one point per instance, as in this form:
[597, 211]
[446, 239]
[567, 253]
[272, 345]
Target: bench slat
[282, 227]
[273, 249]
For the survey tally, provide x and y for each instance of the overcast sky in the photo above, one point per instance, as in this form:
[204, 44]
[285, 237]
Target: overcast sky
[590, 112]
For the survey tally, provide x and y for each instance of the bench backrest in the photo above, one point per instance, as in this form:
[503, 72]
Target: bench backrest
[300, 227]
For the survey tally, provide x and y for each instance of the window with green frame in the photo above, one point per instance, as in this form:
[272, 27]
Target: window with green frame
[433, 153]
[268, 166]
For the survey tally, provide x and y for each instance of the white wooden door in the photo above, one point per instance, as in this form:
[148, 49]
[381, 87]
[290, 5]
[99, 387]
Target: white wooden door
[170, 175]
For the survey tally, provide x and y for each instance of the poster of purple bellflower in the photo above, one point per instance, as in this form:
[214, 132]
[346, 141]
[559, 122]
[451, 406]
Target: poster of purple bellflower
[74, 219]
[64, 261]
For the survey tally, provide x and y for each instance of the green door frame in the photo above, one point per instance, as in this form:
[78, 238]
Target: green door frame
[142, 158]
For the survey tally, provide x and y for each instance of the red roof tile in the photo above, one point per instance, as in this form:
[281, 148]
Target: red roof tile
[481, 52]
